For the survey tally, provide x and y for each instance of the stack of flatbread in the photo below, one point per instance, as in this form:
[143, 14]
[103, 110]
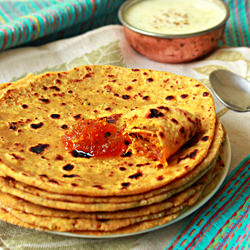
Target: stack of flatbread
[170, 164]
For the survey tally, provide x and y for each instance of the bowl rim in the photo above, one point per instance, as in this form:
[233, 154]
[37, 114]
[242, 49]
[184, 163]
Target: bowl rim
[129, 3]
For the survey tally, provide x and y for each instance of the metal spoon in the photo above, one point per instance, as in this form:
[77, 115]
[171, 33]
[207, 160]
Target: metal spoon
[231, 89]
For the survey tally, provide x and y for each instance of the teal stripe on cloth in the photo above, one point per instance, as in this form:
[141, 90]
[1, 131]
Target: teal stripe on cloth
[223, 223]
[74, 30]
[237, 32]
[12, 10]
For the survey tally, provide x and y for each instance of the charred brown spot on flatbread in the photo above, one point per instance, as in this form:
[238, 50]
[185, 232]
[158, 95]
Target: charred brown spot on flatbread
[191, 155]
[44, 100]
[136, 175]
[164, 108]
[182, 130]
[125, 97]
[174, 121]
[128, 88]
[59, 158]
[68, 167]
[169, 97]
[70, 175]
[161, 134]
[37, 125]
[17, 157]
[139, 165]
[76, 117]
[154, 113]
[43, 175]
[89, 75]
[145, 97]
[64, 126]
[205, 138]
[159, 166]
[38, 149]
[183, 96]
[55, 116]
[12, 125]
[160, 178]
[125, 185]
[53, 181]
[55, 88]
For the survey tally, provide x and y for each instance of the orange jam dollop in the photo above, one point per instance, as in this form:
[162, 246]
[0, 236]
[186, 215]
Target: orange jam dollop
[97, 138]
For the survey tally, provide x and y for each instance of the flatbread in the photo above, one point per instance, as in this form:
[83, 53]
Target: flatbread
[30, 193]
[8, 217]
[35, 110]
[14, 202]
[86, 207]
[30, 221]
[9, 186]
[55, 223]
[71, 222]
[159, 131]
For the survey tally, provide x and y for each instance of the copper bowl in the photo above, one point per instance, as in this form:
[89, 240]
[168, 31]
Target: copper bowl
[172, 48]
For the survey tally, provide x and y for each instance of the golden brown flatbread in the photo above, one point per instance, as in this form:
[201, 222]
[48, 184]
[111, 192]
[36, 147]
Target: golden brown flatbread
[68, 221]
[29, 221]
[64, 202]
[35, 113]
[13, 202]
[159, 131]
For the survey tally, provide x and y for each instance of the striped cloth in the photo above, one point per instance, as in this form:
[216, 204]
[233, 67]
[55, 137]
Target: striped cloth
[34, 22]
[237, 31]
[223, 223]
[25, 21]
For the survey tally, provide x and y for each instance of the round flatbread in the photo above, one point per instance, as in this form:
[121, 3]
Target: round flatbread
[22, 216]
[61, 202]
[36, 112]
[13, 202]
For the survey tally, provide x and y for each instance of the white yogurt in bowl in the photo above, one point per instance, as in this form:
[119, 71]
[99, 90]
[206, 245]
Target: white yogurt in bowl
[175, 17]
[174, 31]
